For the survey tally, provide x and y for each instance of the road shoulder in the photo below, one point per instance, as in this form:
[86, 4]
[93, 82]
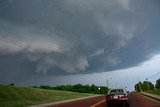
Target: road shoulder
[152, 96]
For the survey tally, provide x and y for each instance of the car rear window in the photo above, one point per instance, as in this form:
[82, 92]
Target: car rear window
[117, 91]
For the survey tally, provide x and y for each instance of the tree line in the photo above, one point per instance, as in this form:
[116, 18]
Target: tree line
[77, 88]
[146, 85]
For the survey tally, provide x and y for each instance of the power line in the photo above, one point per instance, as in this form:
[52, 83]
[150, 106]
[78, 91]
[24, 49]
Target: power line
[11, 40]
[18, 44]
[153, 75]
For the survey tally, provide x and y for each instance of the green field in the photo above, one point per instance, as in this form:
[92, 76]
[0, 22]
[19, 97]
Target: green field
[13, 96]
[157, 92]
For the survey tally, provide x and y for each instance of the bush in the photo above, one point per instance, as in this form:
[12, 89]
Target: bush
[78, 88]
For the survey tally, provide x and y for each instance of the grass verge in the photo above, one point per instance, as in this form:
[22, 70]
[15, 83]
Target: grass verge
[157, 91]
[13, 96]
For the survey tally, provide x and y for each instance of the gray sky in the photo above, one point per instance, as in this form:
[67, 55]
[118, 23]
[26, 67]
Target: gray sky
[78, 41]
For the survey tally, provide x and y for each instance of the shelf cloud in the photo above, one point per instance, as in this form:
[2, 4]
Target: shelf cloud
[77, 36]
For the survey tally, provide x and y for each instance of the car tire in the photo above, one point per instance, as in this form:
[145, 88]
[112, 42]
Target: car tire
[108, 105]
[127, 105]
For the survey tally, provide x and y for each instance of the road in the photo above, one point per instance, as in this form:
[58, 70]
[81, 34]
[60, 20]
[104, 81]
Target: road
[136, 100]
[81, 103]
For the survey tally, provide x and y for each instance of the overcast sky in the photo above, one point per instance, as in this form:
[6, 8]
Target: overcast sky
[79, 41]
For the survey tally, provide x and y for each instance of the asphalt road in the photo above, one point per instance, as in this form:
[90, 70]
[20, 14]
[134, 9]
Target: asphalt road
[87, 102]
[136, 100]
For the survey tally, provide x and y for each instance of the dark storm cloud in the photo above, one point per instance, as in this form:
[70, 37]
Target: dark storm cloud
[76, 36]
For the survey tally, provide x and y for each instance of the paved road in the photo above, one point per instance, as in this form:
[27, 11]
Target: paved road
[137, 100]
[81, 103]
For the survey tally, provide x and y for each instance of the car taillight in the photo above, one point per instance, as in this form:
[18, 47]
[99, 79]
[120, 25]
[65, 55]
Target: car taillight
[108, 97]
[123, 96]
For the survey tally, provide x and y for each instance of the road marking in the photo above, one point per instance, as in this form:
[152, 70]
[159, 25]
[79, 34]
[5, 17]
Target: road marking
[94, 105]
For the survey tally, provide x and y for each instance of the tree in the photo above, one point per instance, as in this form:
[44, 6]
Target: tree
[146, 85]
[12, 84]
[158, 84]
[94, 89]
[78, 88]
[138, 86]
[103, 90]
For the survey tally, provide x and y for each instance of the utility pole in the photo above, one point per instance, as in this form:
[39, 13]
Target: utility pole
[139, 85]
[108, 82]
[147, 83]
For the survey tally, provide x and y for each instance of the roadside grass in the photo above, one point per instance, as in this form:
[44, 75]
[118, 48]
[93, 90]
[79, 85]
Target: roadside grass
[14, 96]
[157, 91]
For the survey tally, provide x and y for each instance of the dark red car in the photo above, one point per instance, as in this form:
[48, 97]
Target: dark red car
[117, 96]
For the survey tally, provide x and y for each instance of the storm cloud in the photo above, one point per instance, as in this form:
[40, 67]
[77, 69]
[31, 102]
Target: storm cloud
[76, 36]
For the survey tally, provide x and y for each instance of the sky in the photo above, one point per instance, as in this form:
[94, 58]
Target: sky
[58, 42]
